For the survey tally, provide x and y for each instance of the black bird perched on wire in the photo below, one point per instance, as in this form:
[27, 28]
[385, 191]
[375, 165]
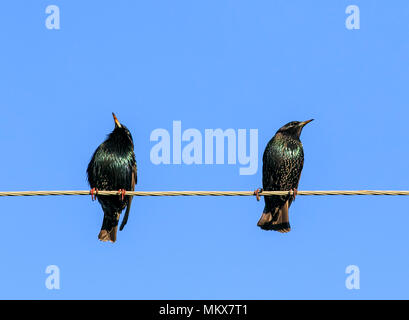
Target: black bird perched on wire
[283, 160]
[113, 167]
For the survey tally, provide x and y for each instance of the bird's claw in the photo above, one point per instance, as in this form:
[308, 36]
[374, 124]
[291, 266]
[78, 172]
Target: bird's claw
[122, 193]
[257, 193]
[94, 193]
[294, 193]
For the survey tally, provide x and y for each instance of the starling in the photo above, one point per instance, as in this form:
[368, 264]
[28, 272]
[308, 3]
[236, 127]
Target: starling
[283, 161]
[113, 167]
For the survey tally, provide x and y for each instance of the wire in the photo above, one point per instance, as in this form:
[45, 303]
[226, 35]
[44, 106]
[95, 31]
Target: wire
[209, 193]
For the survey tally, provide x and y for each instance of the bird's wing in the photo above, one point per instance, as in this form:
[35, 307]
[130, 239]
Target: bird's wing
[281, 171]
[272, 177]
[273, 166]
[134, 176]
[128, 208]
[91, 170]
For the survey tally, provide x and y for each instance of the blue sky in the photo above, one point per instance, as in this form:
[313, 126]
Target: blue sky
[209, 64]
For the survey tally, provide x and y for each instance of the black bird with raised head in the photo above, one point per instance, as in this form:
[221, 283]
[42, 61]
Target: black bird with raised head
[283, 160]
[113, 167]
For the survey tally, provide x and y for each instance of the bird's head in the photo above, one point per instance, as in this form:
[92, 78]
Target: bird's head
[293, 128]
[120, 128]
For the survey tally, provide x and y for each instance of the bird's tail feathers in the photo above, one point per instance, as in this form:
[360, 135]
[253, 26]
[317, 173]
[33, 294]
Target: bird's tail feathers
[109, 227]
[279, 221]
[125, 219]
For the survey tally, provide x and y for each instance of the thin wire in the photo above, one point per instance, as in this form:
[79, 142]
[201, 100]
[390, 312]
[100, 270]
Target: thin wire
[209, 193]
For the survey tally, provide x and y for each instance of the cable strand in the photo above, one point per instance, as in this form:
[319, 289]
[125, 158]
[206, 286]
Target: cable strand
[208, 193]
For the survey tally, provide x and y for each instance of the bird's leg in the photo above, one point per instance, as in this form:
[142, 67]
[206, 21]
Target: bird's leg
[257, 193]
[294, 193]
[122, 193]
[93, 193]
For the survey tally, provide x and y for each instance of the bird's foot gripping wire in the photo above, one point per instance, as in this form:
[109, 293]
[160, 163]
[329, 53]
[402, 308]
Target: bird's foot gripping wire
[122, 193]
[257, 193]
[293, 193]
[94, 193]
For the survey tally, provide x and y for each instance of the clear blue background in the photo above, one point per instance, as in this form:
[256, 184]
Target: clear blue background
[210, 64]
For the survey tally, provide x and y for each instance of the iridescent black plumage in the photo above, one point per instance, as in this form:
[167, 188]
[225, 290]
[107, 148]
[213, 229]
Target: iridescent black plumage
[113, 167]
[283, 161]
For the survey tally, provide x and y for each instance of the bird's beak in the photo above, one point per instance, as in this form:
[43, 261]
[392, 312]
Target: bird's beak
[305, 122]
[116, 120]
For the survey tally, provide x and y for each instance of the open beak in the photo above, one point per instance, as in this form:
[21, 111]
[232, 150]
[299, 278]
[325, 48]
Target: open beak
[305, 122]
[116, 120]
